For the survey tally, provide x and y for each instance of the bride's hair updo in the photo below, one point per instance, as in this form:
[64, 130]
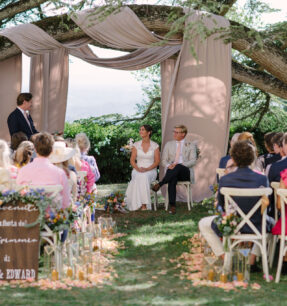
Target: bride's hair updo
[148, 128]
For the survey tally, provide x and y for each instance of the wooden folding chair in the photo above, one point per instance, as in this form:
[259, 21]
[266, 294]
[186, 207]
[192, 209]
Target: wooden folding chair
[283, 239]
[274, 238]
[260, 239]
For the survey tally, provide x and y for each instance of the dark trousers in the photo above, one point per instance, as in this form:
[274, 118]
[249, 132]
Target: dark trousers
[178, 173]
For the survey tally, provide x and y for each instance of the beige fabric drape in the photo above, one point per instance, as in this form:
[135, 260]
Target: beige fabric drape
[49, 85]
[200, 100]
[10, 86]
[194, 93]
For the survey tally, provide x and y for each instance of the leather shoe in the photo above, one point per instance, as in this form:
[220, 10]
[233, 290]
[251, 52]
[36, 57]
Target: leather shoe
[155, 187]
[172, 210]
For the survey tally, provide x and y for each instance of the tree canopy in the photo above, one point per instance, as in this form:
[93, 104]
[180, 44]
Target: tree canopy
[260, 53]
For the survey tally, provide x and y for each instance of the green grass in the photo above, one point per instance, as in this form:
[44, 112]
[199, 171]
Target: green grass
[152, 239]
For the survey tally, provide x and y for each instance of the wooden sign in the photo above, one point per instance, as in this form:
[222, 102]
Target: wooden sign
[19, 245]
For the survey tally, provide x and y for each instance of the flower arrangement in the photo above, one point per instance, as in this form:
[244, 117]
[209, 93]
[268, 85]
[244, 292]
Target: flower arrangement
[212, 200]
[61, 219]
[227, 223]
[127, 149]
[113, 202]
[36, 197]
[87, 199]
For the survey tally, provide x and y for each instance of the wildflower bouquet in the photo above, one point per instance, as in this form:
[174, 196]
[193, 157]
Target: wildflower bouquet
[113, 202]
[35, 197]
[227, 223]
[212, 200]
[61, 219]
[127, 149]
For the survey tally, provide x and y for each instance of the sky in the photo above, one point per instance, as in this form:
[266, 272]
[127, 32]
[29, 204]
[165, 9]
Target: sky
[96, 91]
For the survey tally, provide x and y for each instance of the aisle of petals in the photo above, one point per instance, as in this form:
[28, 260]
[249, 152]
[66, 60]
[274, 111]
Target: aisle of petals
[191, 264]
[104, 275]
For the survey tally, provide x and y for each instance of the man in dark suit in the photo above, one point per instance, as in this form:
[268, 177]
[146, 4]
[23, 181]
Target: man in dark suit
[20, 120]
[243, 154]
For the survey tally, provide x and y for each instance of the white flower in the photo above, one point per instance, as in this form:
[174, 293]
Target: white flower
[223, 221]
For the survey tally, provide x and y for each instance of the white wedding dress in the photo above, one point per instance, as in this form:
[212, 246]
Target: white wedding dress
[138, 191]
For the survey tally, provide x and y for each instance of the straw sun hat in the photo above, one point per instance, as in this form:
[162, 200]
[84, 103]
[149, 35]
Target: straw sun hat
[61, 153]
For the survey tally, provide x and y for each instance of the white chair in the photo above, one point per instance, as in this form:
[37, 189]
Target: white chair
[283, 239]
[260, 239]
[81, 176]
[52, 190]
[274, 239]
[155, 199]
[220, 172]
[187, 185]
[82, 186]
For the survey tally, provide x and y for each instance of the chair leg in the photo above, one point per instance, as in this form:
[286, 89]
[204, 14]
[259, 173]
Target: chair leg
[155, 201]
[166, 199]
[190, 192]
[272, 250]
[265, 265]
[280, 261]
[188, 196]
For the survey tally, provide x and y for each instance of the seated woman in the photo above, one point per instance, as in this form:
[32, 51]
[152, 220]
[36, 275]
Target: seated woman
[5, 162]
[23, 154]
[243, 156]
[145, 158]
[81, 165]
[256, 164]
[84, 145]
[60, 157]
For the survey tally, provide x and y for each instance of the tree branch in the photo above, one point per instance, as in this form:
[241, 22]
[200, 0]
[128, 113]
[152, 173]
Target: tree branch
[259, 79]
[15, 8]
[263, 111]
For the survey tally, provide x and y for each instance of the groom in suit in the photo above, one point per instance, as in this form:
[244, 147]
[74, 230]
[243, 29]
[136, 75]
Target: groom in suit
[20, 120]
[178, 157]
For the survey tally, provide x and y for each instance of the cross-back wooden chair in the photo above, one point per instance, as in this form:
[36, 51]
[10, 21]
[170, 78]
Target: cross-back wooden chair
[220, 172]
[274, 239]
[258, 238]
[283, 239]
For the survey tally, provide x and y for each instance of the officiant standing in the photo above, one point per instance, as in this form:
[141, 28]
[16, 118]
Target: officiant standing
[20, 120]
[178, 157]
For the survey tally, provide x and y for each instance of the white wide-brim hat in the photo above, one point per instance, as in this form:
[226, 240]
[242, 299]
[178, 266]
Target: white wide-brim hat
[61, 153]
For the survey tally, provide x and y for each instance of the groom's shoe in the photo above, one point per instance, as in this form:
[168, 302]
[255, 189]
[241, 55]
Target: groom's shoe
[172, 210]
[155, 187]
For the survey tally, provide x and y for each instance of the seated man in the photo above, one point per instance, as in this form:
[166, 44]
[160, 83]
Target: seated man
[42, 172]
[179, 157]
[243, 155]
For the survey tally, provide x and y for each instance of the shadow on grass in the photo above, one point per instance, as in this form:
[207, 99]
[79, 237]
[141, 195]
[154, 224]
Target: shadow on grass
[145, 274]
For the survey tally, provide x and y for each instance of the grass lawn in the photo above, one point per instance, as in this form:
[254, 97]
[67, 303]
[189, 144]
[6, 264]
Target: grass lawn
[145, 274]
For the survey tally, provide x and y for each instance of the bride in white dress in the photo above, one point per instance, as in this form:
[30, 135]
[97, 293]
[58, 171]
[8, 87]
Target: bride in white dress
[144, 159]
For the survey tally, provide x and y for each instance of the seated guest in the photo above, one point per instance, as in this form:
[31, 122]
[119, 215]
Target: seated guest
[83, 143]
[223, 161]
[81, 165]
[271, 157]
[277, 141]
[277, 167]
[179, 157]
[16, 139]
[23, 154]
[60, 157]
[242, 154]
[7, 169]
[42, 172]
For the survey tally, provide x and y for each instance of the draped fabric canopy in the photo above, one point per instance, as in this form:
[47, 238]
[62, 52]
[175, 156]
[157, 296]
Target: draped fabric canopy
[194, 92]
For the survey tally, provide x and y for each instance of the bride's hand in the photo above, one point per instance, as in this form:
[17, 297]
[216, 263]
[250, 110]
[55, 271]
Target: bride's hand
[142, 169]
